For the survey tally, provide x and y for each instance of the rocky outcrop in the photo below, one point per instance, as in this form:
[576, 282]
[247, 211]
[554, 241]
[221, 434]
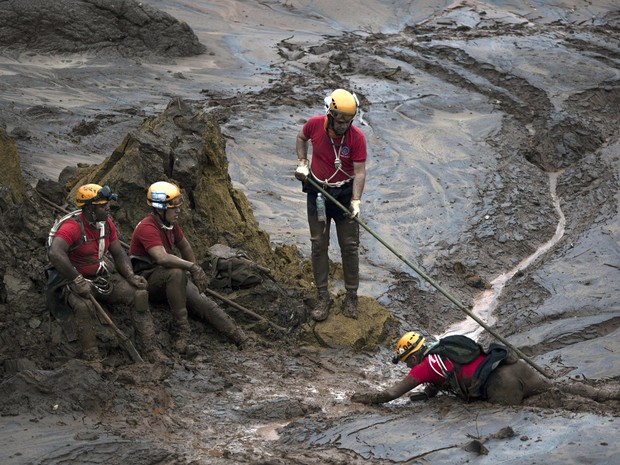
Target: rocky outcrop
[102, 27]
[183, 145]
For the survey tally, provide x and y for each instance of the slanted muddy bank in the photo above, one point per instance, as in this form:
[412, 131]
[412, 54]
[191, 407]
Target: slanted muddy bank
[467, 108]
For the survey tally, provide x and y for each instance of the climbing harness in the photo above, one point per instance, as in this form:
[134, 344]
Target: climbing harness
[337, 165]
[100, 281]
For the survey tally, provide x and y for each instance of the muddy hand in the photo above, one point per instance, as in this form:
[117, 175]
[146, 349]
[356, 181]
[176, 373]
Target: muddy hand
[81, 286]
[137, 281]
[302, 170]
[364, 398]
[199, 277]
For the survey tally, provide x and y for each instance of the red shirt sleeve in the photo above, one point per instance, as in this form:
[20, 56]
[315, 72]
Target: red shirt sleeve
[70, 232]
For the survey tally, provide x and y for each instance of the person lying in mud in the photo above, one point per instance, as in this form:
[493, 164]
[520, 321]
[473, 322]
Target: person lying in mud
[495, 375]
[81, 270]
[168, 276]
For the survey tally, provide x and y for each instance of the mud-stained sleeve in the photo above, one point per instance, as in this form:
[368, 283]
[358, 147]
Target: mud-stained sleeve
[398, 390]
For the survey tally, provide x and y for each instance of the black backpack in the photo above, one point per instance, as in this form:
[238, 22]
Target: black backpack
[460, 349]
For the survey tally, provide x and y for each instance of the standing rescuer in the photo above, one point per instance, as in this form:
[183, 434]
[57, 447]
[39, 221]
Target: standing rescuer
[168, 275]
[81, 269]
[338, 164]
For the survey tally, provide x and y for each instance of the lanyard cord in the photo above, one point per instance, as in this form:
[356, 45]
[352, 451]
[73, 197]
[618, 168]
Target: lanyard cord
[101, 249]
[337, 164]
[165, 229]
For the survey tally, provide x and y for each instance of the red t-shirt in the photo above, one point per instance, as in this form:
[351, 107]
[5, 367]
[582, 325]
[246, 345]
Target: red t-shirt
[149, 233]
[432, 370]
[353, 149]
[85, 257]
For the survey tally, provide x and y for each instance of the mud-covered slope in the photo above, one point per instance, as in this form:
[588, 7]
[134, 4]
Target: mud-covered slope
[102, 27]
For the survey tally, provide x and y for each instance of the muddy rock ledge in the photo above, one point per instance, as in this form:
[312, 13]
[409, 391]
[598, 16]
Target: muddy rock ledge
[184, 144]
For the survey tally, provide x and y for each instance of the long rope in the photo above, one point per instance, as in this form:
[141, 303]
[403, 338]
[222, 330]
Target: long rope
[431, 281]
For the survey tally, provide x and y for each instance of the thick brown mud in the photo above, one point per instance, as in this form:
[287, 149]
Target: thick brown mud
[467, 108]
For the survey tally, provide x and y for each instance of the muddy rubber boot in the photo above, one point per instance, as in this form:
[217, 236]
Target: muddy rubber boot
[349, 306]
[208, 311]
[595, 393]
[241, 339]
[182, 333]
[86, 331]
[320, 311]
[145, 329]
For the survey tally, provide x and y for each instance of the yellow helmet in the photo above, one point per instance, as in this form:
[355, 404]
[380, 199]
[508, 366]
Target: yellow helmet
[342, 105]
[94, 194]
[408, 345]
[164, 195]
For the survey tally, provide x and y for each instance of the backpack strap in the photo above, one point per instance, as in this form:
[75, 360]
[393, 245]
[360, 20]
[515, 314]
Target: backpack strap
[82, 237]
[452, 383]
[496, 355]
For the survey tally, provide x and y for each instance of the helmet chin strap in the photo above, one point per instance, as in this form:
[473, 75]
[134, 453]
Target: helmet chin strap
[90, 216]
[164, 223]
[329, 128]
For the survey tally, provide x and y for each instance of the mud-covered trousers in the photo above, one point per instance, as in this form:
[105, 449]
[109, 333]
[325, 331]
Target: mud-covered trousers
[173, 285]
[510, 384]
[122, 293]
[347, 231]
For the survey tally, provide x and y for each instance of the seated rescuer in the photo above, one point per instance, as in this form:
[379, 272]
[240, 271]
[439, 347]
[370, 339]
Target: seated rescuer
[81, 268]
[508, 381]
[338, 164]
[151, 252]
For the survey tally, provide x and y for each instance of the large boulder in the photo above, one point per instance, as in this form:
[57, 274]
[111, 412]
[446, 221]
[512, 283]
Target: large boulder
[374, 326]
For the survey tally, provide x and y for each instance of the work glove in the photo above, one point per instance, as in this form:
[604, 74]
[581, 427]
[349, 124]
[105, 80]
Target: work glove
[137, 281]
[199, 277]
[430, 391]
[365, 398]
[81, 286]
[302, 171]
[355, 208]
